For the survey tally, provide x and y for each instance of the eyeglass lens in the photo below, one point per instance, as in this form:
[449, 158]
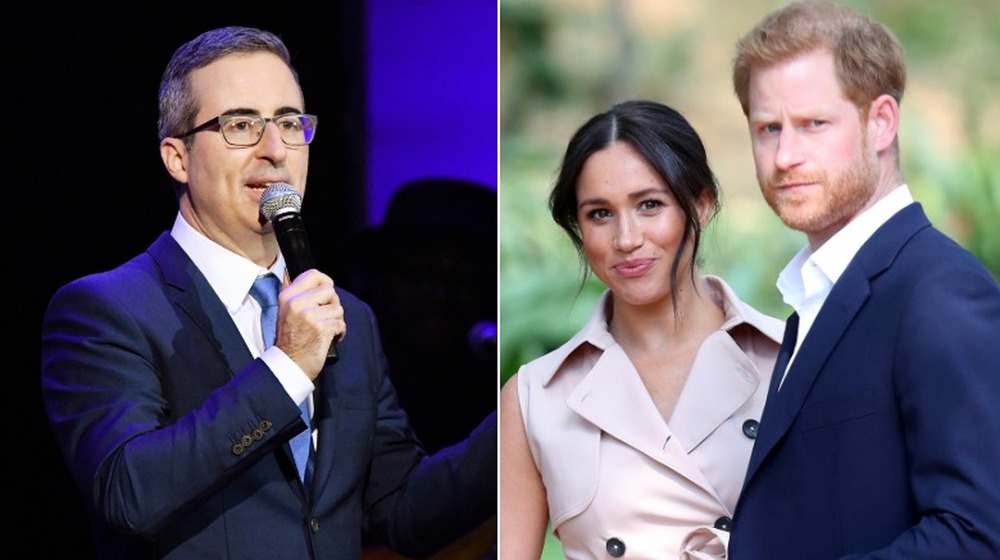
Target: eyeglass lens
[247, 130]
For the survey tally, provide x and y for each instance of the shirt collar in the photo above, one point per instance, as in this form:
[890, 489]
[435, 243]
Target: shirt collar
[230, 275]
[595, 330]
[810, 275]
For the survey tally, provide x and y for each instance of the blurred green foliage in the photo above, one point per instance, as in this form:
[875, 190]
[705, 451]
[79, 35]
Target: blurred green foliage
[563, 60]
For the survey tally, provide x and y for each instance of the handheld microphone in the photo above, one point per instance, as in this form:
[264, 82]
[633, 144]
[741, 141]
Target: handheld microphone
[281, 204]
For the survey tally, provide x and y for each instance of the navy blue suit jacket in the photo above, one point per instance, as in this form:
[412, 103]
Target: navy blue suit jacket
[177, 437]
[883, 441]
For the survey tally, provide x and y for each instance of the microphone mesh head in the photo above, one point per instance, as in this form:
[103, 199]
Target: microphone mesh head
[279, 198]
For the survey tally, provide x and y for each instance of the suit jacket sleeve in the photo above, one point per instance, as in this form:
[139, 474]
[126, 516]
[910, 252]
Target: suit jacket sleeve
[146, 410]
[948, 376]
[415, 503]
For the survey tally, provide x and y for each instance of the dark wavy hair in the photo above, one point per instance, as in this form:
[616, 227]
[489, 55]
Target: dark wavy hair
[667, 141]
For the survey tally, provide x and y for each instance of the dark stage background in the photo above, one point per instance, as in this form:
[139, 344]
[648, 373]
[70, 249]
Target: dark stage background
[86, 189]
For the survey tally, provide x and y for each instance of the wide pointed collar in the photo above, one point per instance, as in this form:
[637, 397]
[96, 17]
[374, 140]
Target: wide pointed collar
[595, 330]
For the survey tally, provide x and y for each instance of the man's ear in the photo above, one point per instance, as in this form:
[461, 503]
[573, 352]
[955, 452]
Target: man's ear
[174, 154]
[883, 118]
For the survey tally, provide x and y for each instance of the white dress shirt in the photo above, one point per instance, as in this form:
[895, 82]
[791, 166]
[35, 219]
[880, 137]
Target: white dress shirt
[231, 277]
[807, 279]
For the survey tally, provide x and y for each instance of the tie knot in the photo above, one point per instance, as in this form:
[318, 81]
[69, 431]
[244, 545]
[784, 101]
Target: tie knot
[265, 290]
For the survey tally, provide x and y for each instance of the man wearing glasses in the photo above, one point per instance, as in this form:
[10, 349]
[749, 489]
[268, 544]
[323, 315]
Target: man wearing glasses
[175, 404]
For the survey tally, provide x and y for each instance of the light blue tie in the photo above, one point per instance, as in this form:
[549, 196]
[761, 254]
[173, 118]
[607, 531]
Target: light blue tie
[265, 291]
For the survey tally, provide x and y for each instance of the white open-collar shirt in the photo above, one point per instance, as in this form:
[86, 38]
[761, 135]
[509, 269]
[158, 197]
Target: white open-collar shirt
[808, 278]
[231, 277]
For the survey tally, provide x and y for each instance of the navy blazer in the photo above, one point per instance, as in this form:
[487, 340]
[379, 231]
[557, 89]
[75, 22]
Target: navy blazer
[883, 440]
[177, 437]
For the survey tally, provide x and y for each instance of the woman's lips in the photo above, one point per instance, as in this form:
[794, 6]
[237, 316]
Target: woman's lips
[633, 267]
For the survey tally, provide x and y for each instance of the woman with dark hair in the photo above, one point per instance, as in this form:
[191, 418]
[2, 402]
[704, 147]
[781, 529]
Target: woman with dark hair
[632, 439]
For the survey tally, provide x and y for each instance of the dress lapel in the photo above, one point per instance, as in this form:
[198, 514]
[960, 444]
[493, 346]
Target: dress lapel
[722, 379]
[614, 399]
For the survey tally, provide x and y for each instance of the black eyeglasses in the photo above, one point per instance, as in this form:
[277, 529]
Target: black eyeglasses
[295, 129]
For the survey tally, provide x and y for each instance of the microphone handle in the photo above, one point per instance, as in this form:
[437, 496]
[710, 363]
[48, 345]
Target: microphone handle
[294, 243]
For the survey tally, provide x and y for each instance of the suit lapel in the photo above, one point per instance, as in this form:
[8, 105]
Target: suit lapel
[324, 421]
[192, 294]
[782, 406]
[846, 299]
[785, 354]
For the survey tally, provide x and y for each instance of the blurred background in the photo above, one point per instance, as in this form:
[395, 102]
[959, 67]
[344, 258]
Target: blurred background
[562, 61]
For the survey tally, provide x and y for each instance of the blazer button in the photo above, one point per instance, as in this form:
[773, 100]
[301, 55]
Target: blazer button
[314, 525]
[723, 523]
[615, 547]
[750, 428]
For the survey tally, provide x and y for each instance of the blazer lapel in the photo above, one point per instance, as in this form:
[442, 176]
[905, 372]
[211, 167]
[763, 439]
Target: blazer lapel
[782, 406]
[785, 354]
[846, 298]
[192, 294]
[781, 364]
[324, 421]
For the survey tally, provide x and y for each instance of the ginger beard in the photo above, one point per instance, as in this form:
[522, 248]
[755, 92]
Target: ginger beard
[836, 201]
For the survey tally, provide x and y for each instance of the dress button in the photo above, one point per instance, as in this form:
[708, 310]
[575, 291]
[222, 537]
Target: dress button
[616, 548]
[723, 523]
[750, 428]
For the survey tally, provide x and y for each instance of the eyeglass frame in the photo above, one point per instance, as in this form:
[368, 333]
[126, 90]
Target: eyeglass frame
[218, 121]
